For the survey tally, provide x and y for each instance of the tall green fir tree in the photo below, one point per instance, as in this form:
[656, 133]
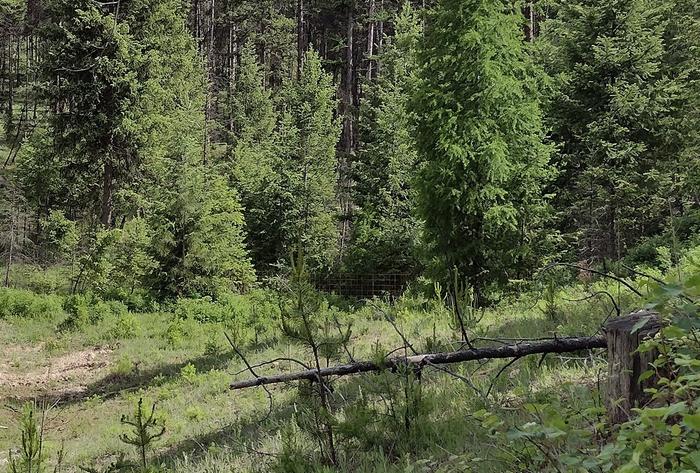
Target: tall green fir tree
[386, 230]
[480, 135]
[309, 132]
[624, 114]
[89, 84]
[255, 163]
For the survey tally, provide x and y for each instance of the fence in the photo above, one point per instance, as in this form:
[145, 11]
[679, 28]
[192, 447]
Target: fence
[362, 285]
[359, 285]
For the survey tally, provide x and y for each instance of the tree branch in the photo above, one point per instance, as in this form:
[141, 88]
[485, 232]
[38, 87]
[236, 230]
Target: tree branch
[559, 345]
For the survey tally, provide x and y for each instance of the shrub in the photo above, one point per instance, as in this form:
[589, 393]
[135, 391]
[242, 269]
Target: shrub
[77, 308]
[26, 304]
[247, 318]
[126, 326]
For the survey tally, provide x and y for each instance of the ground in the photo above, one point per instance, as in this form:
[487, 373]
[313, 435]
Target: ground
[88, 378]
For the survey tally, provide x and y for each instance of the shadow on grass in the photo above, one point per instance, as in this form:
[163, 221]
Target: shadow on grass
[238, 438]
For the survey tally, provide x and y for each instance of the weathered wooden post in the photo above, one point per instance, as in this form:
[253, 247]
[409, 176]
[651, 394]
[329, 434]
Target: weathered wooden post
[625, 364]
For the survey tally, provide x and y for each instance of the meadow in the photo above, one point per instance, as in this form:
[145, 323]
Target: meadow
[83, 364]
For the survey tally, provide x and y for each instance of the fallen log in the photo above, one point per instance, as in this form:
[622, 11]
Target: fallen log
[517, 350]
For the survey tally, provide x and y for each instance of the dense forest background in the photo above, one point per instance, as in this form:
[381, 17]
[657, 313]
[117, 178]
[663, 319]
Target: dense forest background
[169, 148]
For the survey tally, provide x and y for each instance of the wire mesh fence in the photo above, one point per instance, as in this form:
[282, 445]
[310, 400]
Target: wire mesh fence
[361, 285]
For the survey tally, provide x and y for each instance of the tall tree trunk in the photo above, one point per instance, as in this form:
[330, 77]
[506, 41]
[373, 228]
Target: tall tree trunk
[301, 46]
[344, 179]
[370, 39]
[10, 82]
[10, 254]
[530, 25]
[107, 191]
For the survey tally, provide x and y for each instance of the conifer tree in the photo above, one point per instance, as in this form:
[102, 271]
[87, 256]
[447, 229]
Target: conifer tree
[386, 229]
[201, 239]
[479, 132]
[309, 133]
[256, 162]
[89, 84]
[615, 113]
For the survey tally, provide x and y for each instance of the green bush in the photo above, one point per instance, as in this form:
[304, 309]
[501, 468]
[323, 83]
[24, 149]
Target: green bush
[247, 318]
[77, 308]
[26, 304]
[85, 309]
[125, 326]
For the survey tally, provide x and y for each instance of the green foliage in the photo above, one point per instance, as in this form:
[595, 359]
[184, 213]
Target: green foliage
[662, 436]
[146, 430]
[307, 320]
[32, 458]
[26, 304]
[385, 234]
[257, 164]
[480, 135]
[624, 96]
[60, 235]
[125, 326]
[87, 309]
[200, 238]
[247, 318]
[310, 133]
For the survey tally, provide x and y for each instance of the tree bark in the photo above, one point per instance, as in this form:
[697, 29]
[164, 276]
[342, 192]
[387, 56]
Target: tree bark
[370, 39]
[10, 254]
[557, 345]
[301, 47]
[626, 364]
[107, 185]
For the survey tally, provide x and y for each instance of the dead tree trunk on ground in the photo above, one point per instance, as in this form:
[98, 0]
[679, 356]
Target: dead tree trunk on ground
[517, 350]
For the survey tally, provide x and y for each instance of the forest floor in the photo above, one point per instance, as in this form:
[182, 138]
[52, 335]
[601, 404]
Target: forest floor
[87, 379]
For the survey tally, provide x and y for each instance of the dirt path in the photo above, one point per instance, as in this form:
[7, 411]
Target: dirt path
[63, 376]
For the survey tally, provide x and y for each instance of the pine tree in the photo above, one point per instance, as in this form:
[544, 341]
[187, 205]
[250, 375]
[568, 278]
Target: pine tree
[479, 132]
[386, 230]
[309, 133]
[256, 162]
[615, 114]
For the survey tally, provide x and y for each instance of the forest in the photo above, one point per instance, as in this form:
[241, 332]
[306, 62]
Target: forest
[350, 235]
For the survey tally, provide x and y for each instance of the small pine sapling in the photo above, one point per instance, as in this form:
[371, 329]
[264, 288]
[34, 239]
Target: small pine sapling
[146, 429]
[305, 320]
[32, 458]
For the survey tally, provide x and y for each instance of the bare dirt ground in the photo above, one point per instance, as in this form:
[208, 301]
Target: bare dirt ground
[62, 376]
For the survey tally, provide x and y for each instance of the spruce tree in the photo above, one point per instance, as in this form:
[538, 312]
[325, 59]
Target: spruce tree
[198, 222]
[480, 135]
[256, 162]
[201, 237]
[309, 132]
[386, 230]
[89, 83]
[615, 114]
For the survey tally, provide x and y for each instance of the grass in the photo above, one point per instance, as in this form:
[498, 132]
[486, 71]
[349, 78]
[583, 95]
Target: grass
[92, 375]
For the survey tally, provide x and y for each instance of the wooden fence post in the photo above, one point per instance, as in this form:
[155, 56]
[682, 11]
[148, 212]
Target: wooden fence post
[625, 364]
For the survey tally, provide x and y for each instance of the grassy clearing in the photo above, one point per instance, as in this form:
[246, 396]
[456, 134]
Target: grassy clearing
[96, 373]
